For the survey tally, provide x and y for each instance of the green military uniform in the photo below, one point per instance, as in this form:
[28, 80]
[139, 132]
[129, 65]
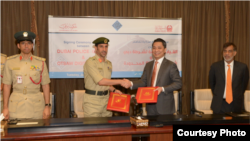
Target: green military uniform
[26, 100]
[3, 59]
[95, 104]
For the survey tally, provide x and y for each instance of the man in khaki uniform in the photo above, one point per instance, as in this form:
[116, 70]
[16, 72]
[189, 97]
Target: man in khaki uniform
[3, 59]
[98, 83]
[26, 72]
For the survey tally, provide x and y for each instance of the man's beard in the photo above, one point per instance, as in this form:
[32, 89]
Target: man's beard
[227, 60]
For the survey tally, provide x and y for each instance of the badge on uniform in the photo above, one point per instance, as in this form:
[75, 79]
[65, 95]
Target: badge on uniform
[32, 67]
[109, 68]
[19, 79]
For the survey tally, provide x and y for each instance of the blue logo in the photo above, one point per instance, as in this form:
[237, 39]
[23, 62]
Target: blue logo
[117, 25]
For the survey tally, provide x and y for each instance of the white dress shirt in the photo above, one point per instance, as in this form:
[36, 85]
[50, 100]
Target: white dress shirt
[157, 70]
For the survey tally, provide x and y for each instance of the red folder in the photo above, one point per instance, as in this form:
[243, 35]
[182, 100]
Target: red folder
[119, 102]
[146, 95]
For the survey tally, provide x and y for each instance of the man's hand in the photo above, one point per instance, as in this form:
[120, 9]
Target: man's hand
[126, 83]
[46, 112]
[159, 89]
[118, 91]
[6, 113]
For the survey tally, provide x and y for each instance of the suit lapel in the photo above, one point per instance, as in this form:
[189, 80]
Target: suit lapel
[150, 71]
[222, 69]
[235, 70]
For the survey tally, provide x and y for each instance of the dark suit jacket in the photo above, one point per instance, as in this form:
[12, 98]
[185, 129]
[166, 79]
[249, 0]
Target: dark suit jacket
[217, 82]
[168, 77]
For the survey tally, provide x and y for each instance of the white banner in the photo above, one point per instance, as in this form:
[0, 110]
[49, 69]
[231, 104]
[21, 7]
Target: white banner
[70, 44]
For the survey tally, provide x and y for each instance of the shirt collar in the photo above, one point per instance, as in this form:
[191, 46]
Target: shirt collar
[21, 57]
[99, 59]
[231, 64]
[160, 60]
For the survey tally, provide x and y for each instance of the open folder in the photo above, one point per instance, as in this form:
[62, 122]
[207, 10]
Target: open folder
[119, 102]
[147, 95]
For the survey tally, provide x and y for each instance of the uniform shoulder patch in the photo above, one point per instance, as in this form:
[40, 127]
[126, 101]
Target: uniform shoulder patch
[13, 56]
[39, 58]
[4, 55]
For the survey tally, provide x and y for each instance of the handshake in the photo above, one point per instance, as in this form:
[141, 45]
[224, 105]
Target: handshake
[125, 83]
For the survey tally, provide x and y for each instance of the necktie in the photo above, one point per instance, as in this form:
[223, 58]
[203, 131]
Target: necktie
[229, 93]
[154, 74]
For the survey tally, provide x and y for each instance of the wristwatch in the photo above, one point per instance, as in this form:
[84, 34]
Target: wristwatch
[114, 90]
[48, 104]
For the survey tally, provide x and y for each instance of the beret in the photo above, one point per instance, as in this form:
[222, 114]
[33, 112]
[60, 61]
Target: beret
[101, 40]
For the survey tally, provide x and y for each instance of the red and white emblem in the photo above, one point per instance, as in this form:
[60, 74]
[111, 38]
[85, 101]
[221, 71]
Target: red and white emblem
[169, 28]
[19, 79]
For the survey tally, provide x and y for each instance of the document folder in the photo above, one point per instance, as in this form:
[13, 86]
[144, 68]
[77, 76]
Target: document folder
[119, 102]
[147, 95]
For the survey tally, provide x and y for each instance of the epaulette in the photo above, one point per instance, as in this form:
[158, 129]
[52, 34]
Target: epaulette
[39, 58]
[109, 61]
[93, 58]
[13, 56]
[4, 55]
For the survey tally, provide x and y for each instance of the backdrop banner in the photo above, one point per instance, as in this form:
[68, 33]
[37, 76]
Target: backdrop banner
[130, 46]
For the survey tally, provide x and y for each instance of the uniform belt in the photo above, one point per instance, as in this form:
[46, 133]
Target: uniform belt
[100, 93]
[27, 91]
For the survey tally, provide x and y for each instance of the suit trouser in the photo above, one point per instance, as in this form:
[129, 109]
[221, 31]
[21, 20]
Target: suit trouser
[152, 109]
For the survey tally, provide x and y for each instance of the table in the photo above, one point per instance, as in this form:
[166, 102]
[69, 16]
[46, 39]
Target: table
[112, 128]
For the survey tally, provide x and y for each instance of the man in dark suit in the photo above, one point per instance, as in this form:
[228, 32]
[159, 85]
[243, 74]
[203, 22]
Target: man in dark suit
[228, 81]
[163, 74]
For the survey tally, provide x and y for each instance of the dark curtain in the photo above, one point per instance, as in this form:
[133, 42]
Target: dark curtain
[240, 30]
[203, 34]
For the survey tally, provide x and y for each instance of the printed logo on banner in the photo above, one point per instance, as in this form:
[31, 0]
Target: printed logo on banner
[169, 28]
[160, 28]
[117, 25]
[68, 27]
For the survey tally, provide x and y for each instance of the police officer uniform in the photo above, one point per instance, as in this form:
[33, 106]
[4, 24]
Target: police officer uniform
[96, 97]
[3, 59]
[26, 100]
